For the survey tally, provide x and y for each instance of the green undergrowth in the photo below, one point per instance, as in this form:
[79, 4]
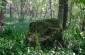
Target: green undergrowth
[12, 38]
[12, 41]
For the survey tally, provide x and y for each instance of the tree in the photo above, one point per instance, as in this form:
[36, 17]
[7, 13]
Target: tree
[10, 8]
[22, 10]
[63, 13]
[50, 9]
[31, 10]
[2, 9]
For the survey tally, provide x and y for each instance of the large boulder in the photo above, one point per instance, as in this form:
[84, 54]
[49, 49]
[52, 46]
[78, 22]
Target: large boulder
[48, 32]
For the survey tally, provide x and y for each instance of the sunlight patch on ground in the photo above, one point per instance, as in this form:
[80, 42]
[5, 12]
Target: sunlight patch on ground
[12, 22]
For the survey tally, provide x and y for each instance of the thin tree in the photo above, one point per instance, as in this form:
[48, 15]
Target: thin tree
[22, 10]
[10, 8]
[2, 8]
[50, 9]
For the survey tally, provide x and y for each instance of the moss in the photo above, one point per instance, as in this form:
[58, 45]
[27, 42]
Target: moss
[48, 31]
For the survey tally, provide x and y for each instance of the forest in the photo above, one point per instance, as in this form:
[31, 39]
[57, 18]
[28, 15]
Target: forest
[42, 27]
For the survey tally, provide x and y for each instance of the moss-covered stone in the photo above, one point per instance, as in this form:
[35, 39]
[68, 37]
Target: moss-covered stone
[48, 32]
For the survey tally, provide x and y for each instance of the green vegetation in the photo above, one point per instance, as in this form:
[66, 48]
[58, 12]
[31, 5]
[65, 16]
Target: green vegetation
[42, 27]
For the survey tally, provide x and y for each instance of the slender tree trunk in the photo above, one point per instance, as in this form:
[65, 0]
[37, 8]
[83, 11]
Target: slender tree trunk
[1, 20]
[50, 9]
[32, 12]
[70, 12]
[1, 15]
[10, 9]
[83, 24]
[22, 10]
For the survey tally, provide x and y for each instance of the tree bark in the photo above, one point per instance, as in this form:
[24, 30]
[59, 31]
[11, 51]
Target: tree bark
[10, 9]
[50, 9]
[63, 13]
[1, 20]
[83, 24]
[22, 10]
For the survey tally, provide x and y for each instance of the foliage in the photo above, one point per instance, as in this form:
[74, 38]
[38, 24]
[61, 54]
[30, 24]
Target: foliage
[12, 39]
[3, 3]
[82, 1]
[75, 37]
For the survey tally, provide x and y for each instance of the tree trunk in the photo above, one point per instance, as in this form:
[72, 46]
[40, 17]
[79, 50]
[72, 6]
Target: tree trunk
[31, 11]
[11, 9]
[83, 24]
[1, 15]
[22, 10]
[50, 9]
[1, 20]
[63, 13]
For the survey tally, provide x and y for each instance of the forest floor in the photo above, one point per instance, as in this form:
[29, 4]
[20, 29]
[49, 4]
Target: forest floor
[12, 41]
